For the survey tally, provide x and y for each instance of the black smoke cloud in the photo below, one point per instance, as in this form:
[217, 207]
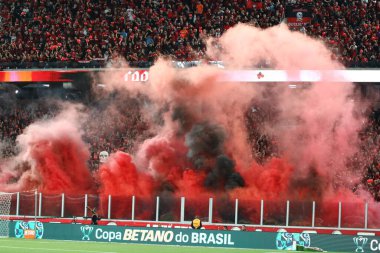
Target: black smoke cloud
[206, 150]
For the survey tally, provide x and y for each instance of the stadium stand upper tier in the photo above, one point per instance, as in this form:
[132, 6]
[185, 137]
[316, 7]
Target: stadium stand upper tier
[83, 33]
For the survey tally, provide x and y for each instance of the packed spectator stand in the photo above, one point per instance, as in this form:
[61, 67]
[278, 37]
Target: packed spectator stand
[82, 33]
[108, 132]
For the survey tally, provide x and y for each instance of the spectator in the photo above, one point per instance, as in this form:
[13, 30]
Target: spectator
[94, 216]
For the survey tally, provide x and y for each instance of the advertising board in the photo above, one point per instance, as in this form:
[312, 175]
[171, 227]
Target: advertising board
[190, 237]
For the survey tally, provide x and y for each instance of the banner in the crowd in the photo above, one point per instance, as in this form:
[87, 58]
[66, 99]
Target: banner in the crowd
[103, 156]
[298, 16]
[206, 238]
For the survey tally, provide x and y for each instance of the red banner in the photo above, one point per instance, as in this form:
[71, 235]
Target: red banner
[298, 16]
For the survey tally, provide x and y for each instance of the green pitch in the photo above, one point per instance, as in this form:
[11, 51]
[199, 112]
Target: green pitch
[53, 246]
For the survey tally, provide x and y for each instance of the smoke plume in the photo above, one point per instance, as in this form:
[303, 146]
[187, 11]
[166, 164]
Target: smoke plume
[53, 157]
[198, 137]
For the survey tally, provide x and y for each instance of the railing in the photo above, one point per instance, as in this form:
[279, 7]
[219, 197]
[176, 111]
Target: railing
[213, 210]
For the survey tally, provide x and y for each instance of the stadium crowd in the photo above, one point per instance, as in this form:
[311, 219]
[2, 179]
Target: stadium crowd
[370, 137]
[48, 33]
[14, 118]
[111, 131]
[114, 130]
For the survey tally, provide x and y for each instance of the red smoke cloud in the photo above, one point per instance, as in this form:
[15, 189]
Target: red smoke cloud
[201, 144]
[53, 157]
[120, 179]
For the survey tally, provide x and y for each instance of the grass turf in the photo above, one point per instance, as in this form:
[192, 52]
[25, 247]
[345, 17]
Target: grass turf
[53, 246]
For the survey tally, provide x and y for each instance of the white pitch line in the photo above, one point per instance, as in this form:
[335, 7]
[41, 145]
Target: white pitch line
[66, 250]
